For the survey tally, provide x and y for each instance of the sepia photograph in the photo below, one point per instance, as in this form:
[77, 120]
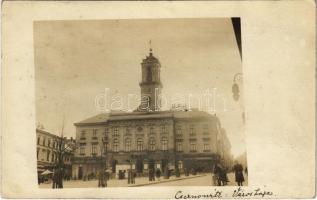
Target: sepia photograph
[139, 102]
[158, 99]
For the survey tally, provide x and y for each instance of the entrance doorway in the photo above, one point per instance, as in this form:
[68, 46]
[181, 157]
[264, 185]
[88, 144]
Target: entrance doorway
[80, 172]
[151, 164]
[114, 166]
[164, 164]
[139, 166]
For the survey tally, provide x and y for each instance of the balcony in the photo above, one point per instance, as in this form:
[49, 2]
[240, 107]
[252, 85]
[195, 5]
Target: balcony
[94, 138]
[82, 138]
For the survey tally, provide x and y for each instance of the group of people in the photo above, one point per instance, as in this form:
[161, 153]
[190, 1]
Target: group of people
[220, 177]
[154, 173]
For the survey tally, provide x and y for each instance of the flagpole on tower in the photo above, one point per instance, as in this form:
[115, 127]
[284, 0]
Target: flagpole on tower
[150, 44]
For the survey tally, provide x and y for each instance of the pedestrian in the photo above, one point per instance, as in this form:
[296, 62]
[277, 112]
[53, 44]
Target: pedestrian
[158, 174]
[223, 176]
[238, 171]
[217, 173]
[150, 174]
[133, 177]
[153, 174]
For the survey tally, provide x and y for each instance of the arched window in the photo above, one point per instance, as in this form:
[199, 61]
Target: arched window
[149, 74]
[115, 146]
[127, 144]
[164, 143]
[38, 140]
[139, 144]
[152, 144]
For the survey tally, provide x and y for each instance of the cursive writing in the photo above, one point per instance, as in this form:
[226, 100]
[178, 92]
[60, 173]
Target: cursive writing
[216, 194]
[239, 193]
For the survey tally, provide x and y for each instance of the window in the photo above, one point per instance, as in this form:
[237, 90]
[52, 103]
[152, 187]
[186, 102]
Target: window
[164, 129]
[152, 144]
[151, 130]
[179, 130]
[191, 130]
[106, 132]
[115, 146]
[82, 150]
[205, 129]
[206, 147]
[48, 155]
[179, 146]
[94, 133]
[94, 149]
[37, 153]
[127, 144]
[43, 141]
[115, 131]
[139, 144]
[192, 146]
[83, 135]
[164, 143]
[38, 140]
[127, 131]
[53, 157]
[49, 143]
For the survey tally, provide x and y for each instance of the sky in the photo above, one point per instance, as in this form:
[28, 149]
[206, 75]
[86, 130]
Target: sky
[75, 61]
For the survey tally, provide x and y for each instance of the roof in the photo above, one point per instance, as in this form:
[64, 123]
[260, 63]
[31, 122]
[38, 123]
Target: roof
[107, 117]
[150, 58]
[46, 133]
[100, 118]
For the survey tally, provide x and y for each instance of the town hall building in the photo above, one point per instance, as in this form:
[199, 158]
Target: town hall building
[149, 138]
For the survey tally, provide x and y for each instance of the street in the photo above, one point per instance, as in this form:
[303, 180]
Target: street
[197, 180]
[200, 181]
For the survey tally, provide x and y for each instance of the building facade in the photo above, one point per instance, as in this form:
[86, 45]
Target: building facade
[148, 138]
[47, 152]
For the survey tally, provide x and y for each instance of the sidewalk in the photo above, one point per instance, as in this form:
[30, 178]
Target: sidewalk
[172, 178]
[140, 181]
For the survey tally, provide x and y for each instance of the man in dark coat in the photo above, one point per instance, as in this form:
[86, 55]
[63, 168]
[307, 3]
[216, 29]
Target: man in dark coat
[223, 176]
[217, 172]
[238, 171]
[151, 175]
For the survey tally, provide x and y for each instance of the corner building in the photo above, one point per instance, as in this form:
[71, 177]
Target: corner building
[148, 138]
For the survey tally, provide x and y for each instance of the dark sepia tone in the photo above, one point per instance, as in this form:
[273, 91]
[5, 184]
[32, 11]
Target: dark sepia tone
[151, 102]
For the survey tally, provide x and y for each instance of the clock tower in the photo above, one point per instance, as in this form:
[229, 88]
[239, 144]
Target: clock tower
[150, 85]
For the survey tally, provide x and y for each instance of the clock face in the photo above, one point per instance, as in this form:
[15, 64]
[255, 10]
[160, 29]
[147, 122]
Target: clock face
[140, 129]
